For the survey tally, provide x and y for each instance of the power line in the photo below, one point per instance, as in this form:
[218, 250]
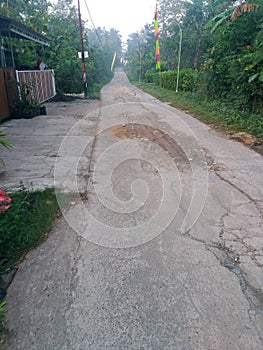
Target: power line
[94, 27]
[84, 72]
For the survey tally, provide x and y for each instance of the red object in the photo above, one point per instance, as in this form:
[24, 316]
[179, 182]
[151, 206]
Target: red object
[38, 64]
[5, 201]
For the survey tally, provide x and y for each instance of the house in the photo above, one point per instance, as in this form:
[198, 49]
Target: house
[41, 84]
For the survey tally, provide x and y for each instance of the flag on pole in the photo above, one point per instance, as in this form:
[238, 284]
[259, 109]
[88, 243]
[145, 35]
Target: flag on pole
[156, 38]
[113, 61]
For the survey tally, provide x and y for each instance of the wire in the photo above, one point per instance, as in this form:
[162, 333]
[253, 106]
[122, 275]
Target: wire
[94, 27]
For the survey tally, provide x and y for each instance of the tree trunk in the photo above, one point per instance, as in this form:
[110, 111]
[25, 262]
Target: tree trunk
[197, 51]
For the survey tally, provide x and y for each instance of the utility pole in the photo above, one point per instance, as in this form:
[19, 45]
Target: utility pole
[83, 66]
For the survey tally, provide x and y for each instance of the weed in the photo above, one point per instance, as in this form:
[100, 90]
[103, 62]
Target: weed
[6, 144]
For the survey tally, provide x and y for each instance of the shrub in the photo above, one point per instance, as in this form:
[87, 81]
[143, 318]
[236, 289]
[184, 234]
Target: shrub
[149, 77]
[188, 79]
[169, 80]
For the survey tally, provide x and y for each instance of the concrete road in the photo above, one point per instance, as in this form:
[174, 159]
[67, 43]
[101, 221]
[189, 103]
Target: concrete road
[162, 249]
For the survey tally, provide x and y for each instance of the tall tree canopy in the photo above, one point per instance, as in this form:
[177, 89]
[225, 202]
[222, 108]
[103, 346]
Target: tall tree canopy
[59, 22]
[221, 39]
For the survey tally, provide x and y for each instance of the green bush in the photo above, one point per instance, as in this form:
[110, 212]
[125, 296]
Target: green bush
[149, 77]
[188, 79]
[169, 80]
[152, 78]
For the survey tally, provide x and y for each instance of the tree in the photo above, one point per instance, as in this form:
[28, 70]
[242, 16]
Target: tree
[59, 22]
[170, 16]
[190, 17]
[103, 44]
[62, 56]
[33, 14]
[140, 52]
[233, 62]
[194, 44]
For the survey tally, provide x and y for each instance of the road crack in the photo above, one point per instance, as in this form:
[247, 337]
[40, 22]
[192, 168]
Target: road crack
[252, 200]
[227, 258]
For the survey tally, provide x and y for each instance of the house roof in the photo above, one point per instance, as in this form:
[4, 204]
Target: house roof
[11, 27]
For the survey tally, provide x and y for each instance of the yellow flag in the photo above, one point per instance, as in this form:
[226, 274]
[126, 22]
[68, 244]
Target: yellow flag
[113, 61]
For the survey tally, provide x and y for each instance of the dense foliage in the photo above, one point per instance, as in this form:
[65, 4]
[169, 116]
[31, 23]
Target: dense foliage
[221, 40]
[59, 22]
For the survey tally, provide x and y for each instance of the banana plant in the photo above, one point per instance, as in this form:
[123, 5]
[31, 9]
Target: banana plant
[231, 10]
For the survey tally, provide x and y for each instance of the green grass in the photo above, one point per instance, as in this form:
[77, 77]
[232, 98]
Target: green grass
[24, 224]
[210, 112]
[23, 227]
[94, 91]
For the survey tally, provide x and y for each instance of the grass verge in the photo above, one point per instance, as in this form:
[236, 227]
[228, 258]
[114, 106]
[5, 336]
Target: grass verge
[94, 91]
[22, 227]
[209, 112]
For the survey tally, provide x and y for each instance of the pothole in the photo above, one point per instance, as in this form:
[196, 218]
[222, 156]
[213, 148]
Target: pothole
[165, 141]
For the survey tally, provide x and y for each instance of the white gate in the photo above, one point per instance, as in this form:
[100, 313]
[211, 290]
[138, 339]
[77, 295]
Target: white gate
[35, 85]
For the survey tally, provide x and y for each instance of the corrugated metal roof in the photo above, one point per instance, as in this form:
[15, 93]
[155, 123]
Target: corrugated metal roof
[15, 29]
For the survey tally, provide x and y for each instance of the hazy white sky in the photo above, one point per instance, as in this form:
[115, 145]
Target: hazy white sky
[126, 16]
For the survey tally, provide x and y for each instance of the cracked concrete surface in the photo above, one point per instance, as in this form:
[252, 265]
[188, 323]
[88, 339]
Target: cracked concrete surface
[36, 143]
[188, 287]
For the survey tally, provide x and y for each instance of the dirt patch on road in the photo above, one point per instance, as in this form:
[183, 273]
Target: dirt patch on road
[247, 139]
[165, 141]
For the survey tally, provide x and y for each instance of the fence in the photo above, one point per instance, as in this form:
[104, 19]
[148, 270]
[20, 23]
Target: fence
[8, 91]
[38, 86]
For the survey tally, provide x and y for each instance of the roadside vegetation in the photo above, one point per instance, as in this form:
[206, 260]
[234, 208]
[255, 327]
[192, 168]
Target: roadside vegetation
[29, 216]
[221, 60]
[212, 112]
[220, 81]
[26, 217]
